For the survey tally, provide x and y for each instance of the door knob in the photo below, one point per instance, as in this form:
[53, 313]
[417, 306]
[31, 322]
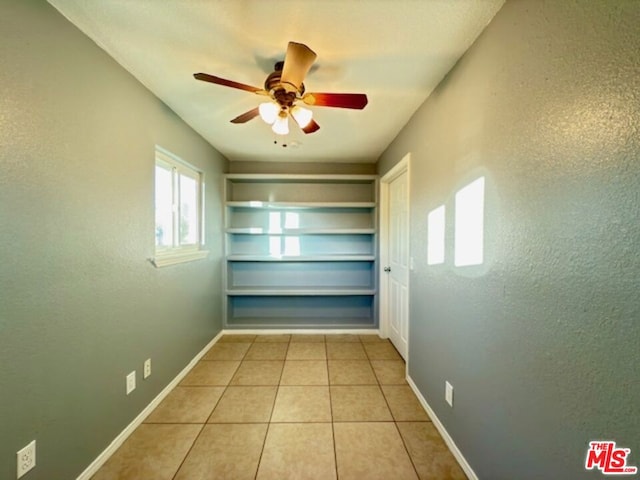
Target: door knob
[387, 269]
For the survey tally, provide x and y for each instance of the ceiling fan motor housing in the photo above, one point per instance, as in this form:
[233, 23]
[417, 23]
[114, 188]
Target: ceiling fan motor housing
[273, 85]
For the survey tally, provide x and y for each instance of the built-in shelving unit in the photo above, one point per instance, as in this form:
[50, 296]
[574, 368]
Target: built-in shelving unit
[300, 251]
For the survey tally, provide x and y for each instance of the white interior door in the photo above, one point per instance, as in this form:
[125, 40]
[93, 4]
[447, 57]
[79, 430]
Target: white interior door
[397, 269]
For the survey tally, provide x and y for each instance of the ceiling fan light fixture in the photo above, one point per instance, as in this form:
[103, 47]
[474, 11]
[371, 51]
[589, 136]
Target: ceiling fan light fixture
[269, 112]
[281, 125]
[285, 88]
[301, 115]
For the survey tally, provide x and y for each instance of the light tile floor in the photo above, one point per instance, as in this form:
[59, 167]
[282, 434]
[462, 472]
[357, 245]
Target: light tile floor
[275, 407]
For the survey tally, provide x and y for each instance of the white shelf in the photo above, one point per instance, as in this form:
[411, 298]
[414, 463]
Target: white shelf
[301, 231]
[344, 323]
[300, 178]
[301, 258]
[307, 292]
[336, 224]
[298, 205]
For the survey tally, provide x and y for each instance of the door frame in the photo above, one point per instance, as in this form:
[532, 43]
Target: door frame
[403, 166]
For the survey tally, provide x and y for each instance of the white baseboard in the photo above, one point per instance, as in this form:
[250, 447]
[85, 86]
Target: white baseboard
[443, 432]
[119, 440]
[278, 331]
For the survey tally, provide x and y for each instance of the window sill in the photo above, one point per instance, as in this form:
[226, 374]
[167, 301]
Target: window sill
[178, 257]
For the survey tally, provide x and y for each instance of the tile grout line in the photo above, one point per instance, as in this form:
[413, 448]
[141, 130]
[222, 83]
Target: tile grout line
[206, 420]
[226, 387]
[379, 385]
[266, 432]
[395, 424]
[333, 428]
[333, 422]
[406, 449]
[189, 451]
[273, 407]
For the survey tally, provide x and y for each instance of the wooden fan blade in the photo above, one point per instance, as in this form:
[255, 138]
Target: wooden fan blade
[311, 127]
[205, 77]
[355, 101]
[246, 116]
[297, 63]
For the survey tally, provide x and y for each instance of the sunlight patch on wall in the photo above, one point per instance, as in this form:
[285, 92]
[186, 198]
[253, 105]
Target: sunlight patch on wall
[291, 220]
[274, 246]
[435, 236]
[292, 246]
[280, 246]
[469, 224]
[274, 222]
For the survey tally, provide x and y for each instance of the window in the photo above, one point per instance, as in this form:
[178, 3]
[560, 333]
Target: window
[179, 190]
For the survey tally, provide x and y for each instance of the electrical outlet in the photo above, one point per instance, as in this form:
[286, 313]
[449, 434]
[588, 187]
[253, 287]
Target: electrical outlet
[147, 368]
[448, 393]
[131, 382]
[26, 459]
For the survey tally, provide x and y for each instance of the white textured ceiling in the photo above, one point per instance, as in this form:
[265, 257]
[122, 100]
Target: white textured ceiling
[395, 51]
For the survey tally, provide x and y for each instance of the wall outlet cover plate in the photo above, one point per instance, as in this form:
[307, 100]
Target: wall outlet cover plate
[448, 393]
[147, 368]
[26, 459]
[131, 382]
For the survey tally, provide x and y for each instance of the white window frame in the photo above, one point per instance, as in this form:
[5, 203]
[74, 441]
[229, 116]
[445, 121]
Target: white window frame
[177, 253]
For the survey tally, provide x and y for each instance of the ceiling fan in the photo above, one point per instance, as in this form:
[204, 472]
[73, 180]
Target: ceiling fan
[286, 91]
